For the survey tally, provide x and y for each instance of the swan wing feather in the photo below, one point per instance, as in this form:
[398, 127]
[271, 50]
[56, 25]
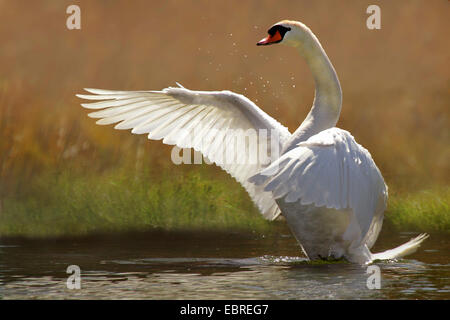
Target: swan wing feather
[207, 121]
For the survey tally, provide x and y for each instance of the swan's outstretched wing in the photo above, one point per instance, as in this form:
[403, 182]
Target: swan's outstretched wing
[219, 124]
[330, 169]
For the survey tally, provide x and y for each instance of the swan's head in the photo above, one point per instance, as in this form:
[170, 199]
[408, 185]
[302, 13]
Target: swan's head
[288, 32]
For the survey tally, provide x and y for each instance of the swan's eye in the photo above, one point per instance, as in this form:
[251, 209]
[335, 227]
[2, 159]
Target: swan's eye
[281, 29]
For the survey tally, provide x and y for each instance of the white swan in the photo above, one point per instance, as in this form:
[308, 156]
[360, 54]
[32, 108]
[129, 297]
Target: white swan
[324, 183]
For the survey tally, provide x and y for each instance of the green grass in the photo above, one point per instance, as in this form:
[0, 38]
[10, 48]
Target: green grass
[425, 211]
[68, 204]
[71, 203]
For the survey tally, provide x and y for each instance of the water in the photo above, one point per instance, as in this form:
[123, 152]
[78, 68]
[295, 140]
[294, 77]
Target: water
[187, 265]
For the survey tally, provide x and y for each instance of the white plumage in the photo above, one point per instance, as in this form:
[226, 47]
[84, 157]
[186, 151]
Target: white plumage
[329, 169]
[319, 178]
[201, 120]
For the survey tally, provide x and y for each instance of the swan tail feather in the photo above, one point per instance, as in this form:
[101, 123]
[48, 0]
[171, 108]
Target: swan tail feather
[403, 250]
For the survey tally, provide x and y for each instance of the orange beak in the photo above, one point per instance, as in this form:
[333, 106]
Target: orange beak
[270, 39]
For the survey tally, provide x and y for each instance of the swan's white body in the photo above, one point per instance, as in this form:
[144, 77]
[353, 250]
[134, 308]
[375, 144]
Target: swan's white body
[324, 183]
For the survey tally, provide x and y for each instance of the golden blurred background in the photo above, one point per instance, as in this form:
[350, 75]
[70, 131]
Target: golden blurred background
[395, 80]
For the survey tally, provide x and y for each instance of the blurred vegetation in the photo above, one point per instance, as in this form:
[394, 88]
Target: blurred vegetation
[62, 174]
[72, 203]
[427, 210]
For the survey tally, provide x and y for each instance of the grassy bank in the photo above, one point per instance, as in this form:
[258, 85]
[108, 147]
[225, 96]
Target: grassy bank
[70, 203]
[424, 211]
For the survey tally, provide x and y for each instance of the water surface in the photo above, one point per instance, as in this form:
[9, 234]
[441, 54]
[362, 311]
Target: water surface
[211, 265]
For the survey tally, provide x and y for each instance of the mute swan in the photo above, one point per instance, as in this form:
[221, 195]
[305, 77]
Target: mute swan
[323, 182]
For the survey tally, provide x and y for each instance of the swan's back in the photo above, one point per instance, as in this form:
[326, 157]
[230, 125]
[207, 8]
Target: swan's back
[328, 187]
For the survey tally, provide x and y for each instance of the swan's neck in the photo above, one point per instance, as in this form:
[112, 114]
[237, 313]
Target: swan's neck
[327, 103]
